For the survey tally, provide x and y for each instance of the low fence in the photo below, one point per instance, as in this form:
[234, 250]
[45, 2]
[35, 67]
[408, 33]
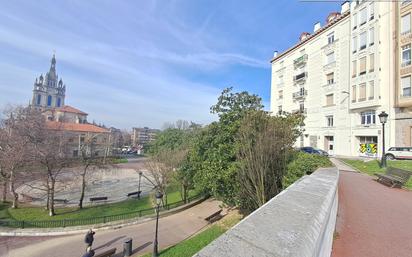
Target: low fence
[94, 220]
[300, 222]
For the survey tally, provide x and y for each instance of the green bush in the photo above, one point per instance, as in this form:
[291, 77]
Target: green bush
[302, 164]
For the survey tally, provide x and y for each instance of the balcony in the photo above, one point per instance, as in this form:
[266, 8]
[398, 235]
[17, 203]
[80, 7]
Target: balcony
[301, 111]
[300, 61]
[300, 94]
[300, 77]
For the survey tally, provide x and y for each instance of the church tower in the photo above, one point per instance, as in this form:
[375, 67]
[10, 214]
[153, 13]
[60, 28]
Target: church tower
[49, 91]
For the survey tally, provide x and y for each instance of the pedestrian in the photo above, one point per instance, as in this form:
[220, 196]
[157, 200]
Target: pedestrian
[89, 238]
[89, 252]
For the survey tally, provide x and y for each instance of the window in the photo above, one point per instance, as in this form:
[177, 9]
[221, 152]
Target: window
[329, 121]
[353, 93]
[330, 78]
[38, 99]
[406, 24]
[371, 11]
[368, 118]
[355, 21]
[354, 69]
[59, 102]
[362, 41]
[280, 94]
[406, 55]
[362, 92]
[331, 38]
[368, 140]
[406, 86]
[329, 100]
[362, 65]
[354, 44]
[330, 58]
[362, 16]
[371, 90]
[371, 36]
[302, 107]
[280, 109]
[49, 100]
[371, 62]
[75, 153]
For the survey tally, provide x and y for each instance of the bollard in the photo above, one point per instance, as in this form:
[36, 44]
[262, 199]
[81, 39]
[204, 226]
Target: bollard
[127, 247]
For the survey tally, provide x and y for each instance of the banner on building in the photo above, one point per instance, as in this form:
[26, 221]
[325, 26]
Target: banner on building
[369, 150]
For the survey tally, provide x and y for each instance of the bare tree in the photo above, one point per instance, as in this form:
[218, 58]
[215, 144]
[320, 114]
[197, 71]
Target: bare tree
[264, 144]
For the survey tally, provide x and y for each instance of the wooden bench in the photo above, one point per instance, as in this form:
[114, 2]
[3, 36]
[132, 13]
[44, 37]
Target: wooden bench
[137, 193]
[394, 177]
[107, 253]
[61, 200]
[214, 216]
[99, 198]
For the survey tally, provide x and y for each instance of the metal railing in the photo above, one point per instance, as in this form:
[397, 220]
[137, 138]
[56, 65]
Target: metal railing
[93, 220]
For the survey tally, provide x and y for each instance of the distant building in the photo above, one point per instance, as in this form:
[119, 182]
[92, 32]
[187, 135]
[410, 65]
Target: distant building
[142, 136]
[49, 98]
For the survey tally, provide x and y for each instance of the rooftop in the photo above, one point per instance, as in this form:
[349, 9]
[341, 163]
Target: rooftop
[76, 127]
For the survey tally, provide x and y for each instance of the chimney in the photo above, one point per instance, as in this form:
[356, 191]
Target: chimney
[316, 27]
[275, 54]
[345, 7]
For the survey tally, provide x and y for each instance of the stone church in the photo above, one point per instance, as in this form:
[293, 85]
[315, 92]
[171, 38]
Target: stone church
[49, 97]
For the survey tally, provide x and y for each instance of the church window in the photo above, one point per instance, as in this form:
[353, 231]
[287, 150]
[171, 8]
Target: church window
[49, 100]
[59, 102]
[38, 99]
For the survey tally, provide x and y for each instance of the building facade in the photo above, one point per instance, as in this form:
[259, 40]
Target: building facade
[143, 136]
[48, 91]
[340, 78]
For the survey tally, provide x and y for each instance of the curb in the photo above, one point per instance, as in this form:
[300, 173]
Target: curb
[96, 227]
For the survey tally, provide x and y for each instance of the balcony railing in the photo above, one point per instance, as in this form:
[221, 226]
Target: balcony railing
[301, 60]
[300, 110]
[406, 63]
[300, 77]
[300, 94]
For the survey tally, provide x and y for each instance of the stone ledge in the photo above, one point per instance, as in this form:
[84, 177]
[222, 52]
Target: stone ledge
[298, 222]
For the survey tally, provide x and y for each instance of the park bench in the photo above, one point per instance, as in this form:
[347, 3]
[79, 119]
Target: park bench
[61, 200]
[394, 177]
[107, 253]
[214, 216]
[98, 198]
[137, 193]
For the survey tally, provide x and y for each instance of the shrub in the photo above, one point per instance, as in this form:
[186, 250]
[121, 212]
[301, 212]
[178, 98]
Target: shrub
[303, 164]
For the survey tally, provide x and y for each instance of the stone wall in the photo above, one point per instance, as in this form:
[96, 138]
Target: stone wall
[298, 222]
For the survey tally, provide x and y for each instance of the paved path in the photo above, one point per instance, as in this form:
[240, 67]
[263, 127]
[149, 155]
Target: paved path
[172, 229]
[373, 219]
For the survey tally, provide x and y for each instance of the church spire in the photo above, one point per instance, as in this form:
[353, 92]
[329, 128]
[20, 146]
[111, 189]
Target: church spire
[53, 63]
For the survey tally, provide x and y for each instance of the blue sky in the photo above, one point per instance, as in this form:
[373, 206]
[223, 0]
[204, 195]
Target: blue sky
[147, 62]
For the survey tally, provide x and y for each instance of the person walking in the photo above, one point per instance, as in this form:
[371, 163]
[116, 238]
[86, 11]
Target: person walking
[89, 238]
[89, 252]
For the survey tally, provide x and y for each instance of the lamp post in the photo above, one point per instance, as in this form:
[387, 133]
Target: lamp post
[383, 117]
[350, 120]
[159, 197]
[140, 179]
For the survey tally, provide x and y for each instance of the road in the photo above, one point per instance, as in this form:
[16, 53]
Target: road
[172, 229]
[373, 220]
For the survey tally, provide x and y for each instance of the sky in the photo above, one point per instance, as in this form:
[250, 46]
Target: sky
[135, 63]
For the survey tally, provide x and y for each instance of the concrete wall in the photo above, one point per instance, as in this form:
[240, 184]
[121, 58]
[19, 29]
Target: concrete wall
[298, 222]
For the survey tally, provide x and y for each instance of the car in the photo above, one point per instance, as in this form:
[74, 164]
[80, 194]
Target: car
[394, 153]
[313, 150]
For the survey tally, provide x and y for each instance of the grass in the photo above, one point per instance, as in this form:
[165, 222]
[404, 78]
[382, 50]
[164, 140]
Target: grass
[131, 205]
[189, 247]
[121, 160]
[372, 167]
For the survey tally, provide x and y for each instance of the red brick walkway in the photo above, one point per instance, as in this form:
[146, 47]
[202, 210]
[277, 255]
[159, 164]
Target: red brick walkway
[373, 220]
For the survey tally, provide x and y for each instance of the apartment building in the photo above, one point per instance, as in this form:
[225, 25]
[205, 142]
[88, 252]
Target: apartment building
[340, 77]
[143, 136]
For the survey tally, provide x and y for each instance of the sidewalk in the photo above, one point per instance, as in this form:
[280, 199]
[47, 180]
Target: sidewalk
[172, 229]
[373, 220]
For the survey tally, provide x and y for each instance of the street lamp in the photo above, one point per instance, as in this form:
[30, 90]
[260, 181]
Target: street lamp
[383, 117]
[138, 191]
[159, 197]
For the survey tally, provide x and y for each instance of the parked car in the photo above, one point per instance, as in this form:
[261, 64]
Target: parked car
[312, 150]
[399, 153]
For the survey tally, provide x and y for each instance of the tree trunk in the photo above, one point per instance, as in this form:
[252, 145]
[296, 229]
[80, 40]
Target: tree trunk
[13, 191]
[83, 188]
[4, 196]
[51, 200]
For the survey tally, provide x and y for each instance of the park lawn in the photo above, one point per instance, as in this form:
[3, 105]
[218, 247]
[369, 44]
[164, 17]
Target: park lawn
[372, 167]
[189, 247]
[121, 160]
[4, 214]
[127, 206]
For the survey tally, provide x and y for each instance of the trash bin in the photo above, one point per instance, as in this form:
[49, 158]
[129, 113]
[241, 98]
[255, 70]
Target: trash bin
[127, 247]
